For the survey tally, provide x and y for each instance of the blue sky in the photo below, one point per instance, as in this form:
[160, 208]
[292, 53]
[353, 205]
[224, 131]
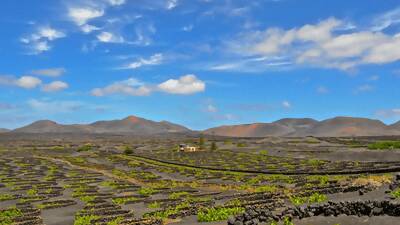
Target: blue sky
[200, 63]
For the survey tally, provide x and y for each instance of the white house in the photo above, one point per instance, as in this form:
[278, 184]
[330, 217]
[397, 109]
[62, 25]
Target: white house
[187, 148]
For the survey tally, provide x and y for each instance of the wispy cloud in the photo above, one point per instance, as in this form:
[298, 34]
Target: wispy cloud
[155, 59]
[50, 72]
[388, 113]
[373, 78]
[54, 106]
[387, 20]
[286, 105]
[131, 86]
[254, 64]
[188, 28]
[363, 88]
[38, 42]
[322, 90]
[55, 86]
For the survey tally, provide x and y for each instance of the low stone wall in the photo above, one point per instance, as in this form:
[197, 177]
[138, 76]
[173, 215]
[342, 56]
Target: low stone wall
[255, 215]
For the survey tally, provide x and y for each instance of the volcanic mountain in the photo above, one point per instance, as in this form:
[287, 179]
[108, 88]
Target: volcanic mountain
[278, 128]
[338, 126]
[348, 126]
[133, 124]
[129, 125]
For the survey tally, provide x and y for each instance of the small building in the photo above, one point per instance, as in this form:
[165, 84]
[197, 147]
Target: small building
[187, 148]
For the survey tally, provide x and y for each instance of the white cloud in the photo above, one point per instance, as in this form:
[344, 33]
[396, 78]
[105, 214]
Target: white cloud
[188, 84]
[324, 44]
[286, 105]
[81, 15]
[28, 82]
[87, 28]
[171, 4]
[108, 37]
[130, 86]
[155, 59]
[55, 86]
[50, 72]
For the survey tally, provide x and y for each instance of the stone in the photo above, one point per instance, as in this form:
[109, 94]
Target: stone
[397, 176]
[377, 211]
[231, 220]
[238, 223]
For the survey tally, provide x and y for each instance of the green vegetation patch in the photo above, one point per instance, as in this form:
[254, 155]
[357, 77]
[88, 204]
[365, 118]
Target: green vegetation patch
[124, 200]
[383, 145]
[85, 148]
[396, 193]
[146, 191]
[85, 220]
[314, 198]
[178, 195]
[163, 214]
[7, 216]
[218, 214]
[6, 197]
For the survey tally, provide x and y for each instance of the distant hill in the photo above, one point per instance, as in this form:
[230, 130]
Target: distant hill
[338, 126]
[348, 126]
[395, 126]
[3, 130]
[131, 125]
[278, 128]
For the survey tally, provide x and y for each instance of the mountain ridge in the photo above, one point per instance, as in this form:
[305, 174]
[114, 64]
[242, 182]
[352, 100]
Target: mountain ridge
[336, 126]
[130, 124]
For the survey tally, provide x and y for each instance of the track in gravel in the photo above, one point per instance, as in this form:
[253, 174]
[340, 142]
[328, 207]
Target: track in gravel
[361, 171]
